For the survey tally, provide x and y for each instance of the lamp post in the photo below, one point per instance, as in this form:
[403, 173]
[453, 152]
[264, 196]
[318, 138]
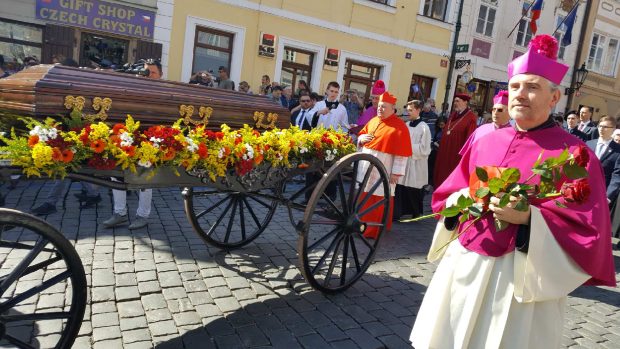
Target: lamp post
[457, 30]
[580, 78]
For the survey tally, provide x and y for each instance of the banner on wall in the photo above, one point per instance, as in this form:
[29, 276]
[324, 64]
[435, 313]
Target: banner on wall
[267, 45]
[332, 56]
[98, 15]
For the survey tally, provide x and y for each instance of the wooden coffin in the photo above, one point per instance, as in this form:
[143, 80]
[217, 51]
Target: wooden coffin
[54, 90]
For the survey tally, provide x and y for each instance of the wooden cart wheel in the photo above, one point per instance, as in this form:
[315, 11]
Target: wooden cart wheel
[333, 253]
[38, 268]
[228, 220]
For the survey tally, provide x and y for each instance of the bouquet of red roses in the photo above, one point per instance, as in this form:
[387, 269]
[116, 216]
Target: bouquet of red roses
[562, 178]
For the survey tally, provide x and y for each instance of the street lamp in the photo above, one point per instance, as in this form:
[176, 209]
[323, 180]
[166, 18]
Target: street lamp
[580, 77]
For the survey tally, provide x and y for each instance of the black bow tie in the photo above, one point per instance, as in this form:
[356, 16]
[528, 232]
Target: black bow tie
[331, 105]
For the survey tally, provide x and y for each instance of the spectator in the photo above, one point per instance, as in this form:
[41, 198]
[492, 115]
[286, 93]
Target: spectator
[225, 83]
[302, 86]
[3, 72]
[608, 152]
[302, 117]
[616, 136]
[265, 88]
[245, 87]
[353, 104]
[30, 61]
[70, 62]
[572, 126]
[276, 95]
[427, 112]
[287, 100]
[145, 196]
[586, 125]
[202, 78]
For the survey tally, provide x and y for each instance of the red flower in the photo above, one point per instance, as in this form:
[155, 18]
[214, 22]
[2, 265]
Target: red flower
[129, 150]
[169, 154]
[56, 154]
[577, 191]
[202, 151]
[581, 156]
[32, 140]
[98, 146]
[117, 128]
[219, 135]
[67, 155]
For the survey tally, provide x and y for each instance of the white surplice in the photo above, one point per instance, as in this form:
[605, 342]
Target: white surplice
[394, 164]
[513, 301]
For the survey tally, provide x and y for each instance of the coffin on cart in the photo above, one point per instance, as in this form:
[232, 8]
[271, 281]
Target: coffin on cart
[54, 90]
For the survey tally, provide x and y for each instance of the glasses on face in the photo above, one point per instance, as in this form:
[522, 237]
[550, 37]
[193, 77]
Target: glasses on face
[499, 110]
[603, 126]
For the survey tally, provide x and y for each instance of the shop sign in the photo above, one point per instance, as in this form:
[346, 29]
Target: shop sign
[98, 15]
[267, 45]
[332, 56]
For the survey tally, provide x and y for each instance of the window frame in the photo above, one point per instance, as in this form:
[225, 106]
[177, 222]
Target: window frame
[425, 11]
[38, 45]
[229, 50]
[293, 65]
[603, 50]
[485, 28]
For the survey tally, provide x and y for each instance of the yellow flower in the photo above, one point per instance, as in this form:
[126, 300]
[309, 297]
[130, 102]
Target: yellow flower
[42, 155]
[99, 131]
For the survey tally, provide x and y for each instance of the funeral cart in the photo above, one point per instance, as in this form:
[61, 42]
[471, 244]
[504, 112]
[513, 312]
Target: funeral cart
[327, 210]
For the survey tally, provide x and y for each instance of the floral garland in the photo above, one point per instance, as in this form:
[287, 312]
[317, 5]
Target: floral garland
[50, 150]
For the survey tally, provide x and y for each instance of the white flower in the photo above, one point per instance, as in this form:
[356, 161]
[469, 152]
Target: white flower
[145, 163]
[250, 151]
[126, 139]
[303, 150]
[244, 157]
[2, 134]
[191, 146]
[156, 140]
[220, 154]
[52, 133]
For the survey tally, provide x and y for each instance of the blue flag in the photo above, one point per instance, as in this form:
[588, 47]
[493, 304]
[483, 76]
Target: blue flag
[569, 22]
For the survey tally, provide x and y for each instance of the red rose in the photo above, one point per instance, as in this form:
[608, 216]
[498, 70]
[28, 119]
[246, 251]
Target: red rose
[581, 156]
[577, 191]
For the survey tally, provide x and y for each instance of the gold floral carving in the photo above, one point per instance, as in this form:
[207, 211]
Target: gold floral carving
[187, 111]
[100, 105]
[268, 121]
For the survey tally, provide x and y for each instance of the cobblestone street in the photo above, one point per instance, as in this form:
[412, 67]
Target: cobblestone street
[163, 287]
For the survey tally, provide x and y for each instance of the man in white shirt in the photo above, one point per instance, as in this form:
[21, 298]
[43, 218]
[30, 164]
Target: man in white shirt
[330, 113]
[586, 125]
[608, 152]
[302, 117]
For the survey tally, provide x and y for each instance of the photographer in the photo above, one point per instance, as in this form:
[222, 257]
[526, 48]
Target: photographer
[202, 78]
[353, 104]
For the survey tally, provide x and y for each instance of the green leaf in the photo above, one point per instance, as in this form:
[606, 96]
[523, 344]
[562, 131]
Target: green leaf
[495, 185]
[504, 200]
[464, 218]
[461, 202]
[563, 157]
[482, 192]
[475, 211]
[511, 175]
[521, 206]
[451, 211]
[559, 204]
[539, 159]
[575, 171]
[482, 174]
[539, 171]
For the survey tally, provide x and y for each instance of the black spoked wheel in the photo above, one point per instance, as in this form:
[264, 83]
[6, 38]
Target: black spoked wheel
[333, 251]
[228, 220]
[42, 284]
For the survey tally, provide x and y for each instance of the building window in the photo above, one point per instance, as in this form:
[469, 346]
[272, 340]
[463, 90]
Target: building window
[436, 9]
[297, 65]
[603, 57]
[17, 41]
[420, 88]
[559, 35]
[360, 76]
[212, 49]
[486, 20]
[384, 2]
[102, 51]
[524, 33]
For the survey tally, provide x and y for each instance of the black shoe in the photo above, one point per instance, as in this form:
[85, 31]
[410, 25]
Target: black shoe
[91, 201]
[618, 246]
[44, 209]
[82, 195]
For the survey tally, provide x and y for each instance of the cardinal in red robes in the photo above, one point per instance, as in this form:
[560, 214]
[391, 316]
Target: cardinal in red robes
[387, 138]
[460, 125]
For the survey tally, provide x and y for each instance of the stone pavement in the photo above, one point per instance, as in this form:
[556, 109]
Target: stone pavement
[163, 287]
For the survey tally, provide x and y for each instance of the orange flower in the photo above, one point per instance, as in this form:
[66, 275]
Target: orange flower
[317, 144]
[169, 154]
[32, 140]
[475, 183]
[130, 150]
[303, 165]
[118, 128]
[67, 155]
[98, 146]
[258, 159]
[56, 154]
[202, 151]
[116, 139]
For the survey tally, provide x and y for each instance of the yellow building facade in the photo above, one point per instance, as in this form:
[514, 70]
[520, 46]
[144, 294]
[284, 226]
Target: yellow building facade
[353, 42]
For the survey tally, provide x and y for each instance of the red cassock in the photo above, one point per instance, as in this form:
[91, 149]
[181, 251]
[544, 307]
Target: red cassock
[454, 135]
[391, 139]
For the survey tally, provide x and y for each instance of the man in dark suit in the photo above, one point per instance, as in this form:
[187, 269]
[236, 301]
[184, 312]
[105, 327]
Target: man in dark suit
[586, 125]
[608, 152]
[572, 123]
[303, 116]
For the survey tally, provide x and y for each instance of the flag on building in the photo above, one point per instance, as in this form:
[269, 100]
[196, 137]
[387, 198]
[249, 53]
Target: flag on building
[535, 10]
[146, 18]
[569, 22]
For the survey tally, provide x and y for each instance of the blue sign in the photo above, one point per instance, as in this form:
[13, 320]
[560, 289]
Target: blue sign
[98, 15]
